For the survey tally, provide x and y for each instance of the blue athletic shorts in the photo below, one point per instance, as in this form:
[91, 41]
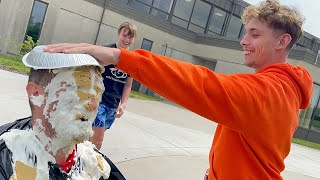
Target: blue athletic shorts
[105, 117]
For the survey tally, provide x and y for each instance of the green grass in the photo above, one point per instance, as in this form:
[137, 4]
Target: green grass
[137, 95]
[306, 143]
[13, 64]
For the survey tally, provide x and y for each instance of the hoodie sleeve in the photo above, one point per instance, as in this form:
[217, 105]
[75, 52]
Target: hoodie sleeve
[231, 100]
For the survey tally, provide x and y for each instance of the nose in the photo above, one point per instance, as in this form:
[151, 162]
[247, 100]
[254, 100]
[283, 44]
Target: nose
[244, 41]
[127, 39]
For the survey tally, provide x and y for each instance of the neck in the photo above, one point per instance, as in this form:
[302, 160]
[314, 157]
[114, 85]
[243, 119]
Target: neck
[62, 154]
[59, 148]
[117, 44]
[273, 60]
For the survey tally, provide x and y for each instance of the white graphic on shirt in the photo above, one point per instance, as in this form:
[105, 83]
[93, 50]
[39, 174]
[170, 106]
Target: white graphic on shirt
[118, 73]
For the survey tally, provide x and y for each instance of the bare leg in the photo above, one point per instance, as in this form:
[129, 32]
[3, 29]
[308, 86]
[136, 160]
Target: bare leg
[98, 135]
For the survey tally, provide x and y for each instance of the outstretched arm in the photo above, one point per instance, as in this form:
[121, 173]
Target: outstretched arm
[235, 101]
[104, 55]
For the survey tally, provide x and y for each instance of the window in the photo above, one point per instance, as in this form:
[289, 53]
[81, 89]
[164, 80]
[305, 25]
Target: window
[315, 124]
[36, 20]
[182, 12]
[141, 5]
[199, 17]
[238, 10]
[305, 116]
[200, 13]
[163, 8]
[195, 28]
[306, 42]
[234, 27]
[217, 21]
[316, 47]
[124, 1]
[146, 44]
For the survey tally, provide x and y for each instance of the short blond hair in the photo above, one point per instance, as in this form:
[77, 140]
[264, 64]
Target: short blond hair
[132, 29]
[281, 18]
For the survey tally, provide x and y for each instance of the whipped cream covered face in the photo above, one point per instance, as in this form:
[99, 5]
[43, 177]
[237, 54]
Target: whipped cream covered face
[69, 105]
[71, 102]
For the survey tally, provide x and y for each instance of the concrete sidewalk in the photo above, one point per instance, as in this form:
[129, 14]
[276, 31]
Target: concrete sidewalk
[156, 140]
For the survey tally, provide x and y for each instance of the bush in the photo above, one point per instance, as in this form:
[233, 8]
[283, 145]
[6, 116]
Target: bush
[24, 47]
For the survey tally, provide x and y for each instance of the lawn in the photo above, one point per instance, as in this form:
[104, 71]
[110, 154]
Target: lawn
[306, 143]
[13, 64]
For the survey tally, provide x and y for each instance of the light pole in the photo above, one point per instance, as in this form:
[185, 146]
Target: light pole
[315, 63]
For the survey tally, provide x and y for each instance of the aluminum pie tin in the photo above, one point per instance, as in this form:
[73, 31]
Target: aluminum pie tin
[38, 59]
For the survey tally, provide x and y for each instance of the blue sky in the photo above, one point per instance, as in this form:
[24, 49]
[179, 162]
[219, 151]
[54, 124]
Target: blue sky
[310, 10]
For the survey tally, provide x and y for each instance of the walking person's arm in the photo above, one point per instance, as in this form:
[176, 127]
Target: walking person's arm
[125, 97]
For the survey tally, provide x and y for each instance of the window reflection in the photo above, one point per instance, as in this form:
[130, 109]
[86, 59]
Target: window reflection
[36, 20]
[194, 15]
[217, 21]
[146, 44]
[305, 116]
[141, 5]
[124, 1]
[179, 22]
[200, 13]
[163, 5]
[163, 8]
[315, 125]
[196, 28]
[183, 9]
[234, 27]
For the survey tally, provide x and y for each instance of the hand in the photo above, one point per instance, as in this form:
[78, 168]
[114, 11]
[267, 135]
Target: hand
[120, 110]
[103, 55]
[206, 175]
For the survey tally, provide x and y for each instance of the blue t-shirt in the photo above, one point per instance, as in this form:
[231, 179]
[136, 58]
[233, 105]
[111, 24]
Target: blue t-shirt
[114, 81]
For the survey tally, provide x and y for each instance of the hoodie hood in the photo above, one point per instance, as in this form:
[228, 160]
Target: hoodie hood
[301, 77]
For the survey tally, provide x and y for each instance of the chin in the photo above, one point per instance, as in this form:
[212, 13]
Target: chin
[125, 46]
[248, 63]
[80, 138]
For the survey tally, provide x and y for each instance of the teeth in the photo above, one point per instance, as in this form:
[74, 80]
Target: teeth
[248, 52]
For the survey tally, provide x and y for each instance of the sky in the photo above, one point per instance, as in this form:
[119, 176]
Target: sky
[310, 9]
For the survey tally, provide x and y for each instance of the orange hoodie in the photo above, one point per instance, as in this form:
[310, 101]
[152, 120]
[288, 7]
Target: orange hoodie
[257, 113]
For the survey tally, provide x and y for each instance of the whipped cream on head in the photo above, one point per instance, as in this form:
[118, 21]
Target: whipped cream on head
[71, 104]
[37, 100]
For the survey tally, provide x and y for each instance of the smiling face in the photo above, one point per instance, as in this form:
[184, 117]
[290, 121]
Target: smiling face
[259, 44]
[71, 101]
[124, 39]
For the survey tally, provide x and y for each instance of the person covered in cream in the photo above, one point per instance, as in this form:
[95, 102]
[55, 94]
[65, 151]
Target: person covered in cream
[52, 143]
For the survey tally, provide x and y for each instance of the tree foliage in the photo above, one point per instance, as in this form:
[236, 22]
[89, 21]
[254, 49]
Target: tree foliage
[25, 47]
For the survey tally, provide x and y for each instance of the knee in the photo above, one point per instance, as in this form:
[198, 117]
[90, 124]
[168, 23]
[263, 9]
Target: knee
[97, 138]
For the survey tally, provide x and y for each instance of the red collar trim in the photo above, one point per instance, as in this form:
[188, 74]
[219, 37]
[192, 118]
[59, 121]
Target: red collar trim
[66, 166]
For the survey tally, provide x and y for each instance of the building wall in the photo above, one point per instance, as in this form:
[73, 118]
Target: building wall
[312, 69]
[14, 17]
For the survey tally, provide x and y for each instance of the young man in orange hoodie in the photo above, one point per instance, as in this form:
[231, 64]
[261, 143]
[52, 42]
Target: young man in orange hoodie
[257, 113]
